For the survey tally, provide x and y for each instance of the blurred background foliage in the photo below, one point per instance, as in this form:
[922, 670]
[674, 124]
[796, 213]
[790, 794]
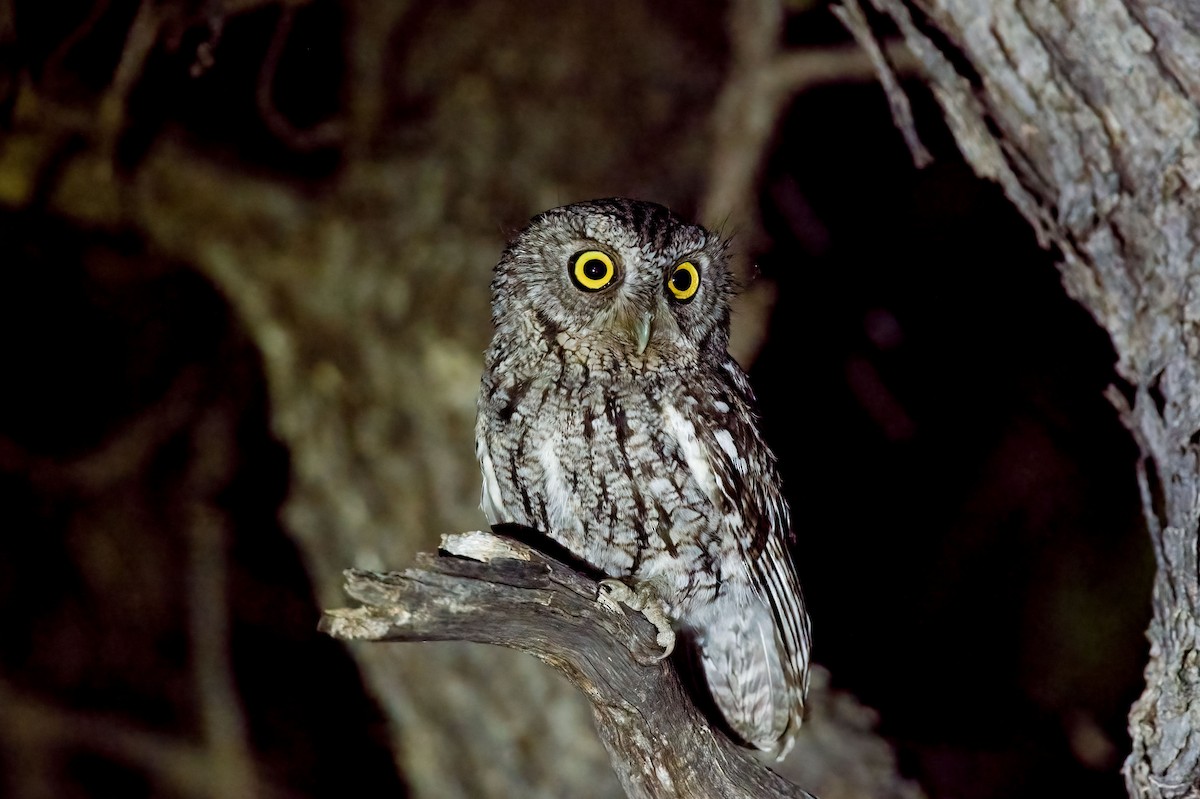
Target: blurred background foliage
[245, 249]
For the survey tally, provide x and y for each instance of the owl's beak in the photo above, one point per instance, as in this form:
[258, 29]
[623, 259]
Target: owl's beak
[642, 329]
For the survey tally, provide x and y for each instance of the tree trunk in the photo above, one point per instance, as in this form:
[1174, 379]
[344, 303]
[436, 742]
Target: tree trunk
[1088, 115]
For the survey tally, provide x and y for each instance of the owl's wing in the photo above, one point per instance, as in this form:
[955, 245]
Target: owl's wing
[491, 500]
[755, 647]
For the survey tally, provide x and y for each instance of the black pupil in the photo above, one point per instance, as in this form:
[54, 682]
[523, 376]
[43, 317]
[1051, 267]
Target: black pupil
[682, 280]
[594, 268]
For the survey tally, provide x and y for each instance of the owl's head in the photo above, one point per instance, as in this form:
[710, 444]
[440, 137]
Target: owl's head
[622, 276]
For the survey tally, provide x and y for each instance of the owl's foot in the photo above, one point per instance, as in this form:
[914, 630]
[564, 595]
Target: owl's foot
[641, 597]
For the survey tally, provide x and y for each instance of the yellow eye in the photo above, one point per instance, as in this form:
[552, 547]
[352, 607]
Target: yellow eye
[592, 270]
[684, 281]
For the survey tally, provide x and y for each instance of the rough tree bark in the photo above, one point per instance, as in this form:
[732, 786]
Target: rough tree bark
[1088, 115]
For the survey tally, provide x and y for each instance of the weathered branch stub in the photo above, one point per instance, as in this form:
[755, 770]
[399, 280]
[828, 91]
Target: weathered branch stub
[484, 588]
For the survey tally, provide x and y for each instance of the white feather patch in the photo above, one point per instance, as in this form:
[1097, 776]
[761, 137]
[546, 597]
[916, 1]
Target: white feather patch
[490, 500]
[725, 442]
[684, 432]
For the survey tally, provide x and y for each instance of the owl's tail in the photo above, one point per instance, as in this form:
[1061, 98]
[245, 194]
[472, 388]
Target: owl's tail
[740, 652]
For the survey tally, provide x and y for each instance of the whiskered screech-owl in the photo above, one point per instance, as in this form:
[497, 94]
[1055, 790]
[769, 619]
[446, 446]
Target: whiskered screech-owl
[613, 419]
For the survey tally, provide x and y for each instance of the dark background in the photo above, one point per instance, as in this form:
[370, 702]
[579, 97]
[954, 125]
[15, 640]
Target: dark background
[969, 535]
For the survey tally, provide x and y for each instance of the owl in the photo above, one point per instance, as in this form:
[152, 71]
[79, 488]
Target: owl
[613, 420]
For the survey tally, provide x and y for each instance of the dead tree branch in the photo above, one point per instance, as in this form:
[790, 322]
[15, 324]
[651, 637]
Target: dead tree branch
[323, 134]
[763, 78]
[851, 15]
[492, 590]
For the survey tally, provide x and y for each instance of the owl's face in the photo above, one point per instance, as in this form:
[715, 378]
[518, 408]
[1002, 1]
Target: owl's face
[622, 276]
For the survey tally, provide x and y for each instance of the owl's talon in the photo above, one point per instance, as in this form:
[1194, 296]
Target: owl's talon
[644, 598]
[612, 593]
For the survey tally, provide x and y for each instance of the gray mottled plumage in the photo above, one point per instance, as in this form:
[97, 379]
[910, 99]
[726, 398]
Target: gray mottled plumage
[612, 419]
